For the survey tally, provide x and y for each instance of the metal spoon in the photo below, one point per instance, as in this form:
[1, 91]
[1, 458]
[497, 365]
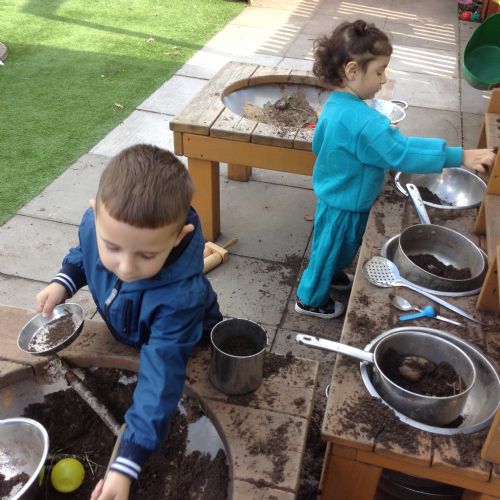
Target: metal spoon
[428, 311]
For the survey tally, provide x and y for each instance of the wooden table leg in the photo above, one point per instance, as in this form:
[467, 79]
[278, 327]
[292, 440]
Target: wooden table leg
[240, 173]
[206, 200]
[346, 479]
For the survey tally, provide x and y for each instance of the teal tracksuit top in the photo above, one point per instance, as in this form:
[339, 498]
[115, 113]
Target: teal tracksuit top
[354, 145]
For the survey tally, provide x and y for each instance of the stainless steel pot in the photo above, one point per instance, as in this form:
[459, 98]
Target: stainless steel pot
[431, 410]
[448, 246]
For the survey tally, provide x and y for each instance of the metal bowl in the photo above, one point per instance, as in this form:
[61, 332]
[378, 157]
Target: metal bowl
[389, 249]
[24, 444]
[394, 110]
[457, 187]
[484, 397]
[38, 324]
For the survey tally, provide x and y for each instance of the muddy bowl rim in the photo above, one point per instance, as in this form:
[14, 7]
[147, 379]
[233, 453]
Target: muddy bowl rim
[45, 440]
[31, 328]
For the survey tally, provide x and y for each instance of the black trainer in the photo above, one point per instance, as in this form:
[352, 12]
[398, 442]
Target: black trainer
[342, 282]
[332, 309]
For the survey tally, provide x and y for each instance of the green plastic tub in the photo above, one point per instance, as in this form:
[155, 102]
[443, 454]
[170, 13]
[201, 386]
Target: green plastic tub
[481, 58]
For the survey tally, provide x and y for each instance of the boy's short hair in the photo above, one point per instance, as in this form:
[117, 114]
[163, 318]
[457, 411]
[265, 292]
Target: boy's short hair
[146, 187]
[350, 41]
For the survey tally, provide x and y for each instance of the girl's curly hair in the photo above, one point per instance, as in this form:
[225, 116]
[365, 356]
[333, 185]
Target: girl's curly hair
[357, 41]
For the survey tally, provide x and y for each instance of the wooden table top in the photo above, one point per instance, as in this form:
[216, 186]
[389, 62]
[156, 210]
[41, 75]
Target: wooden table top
[369, 313]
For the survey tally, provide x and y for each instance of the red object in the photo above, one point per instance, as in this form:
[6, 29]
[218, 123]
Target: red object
[310, 125]
[465, 15]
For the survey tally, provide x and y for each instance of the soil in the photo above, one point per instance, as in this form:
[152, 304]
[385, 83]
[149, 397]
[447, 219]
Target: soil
[434, 266]
[430, 197]
[292, 110]
[52, 334]
[17, 482]
[442, 381]
[239, 345]
[75, 430]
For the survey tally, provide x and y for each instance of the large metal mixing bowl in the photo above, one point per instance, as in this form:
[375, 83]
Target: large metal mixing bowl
[24, 444]
[456, 187]
[482, 402]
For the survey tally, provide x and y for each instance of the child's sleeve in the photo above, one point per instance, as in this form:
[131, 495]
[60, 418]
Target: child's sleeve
[72, 273]
[382, 145]
[161, 377]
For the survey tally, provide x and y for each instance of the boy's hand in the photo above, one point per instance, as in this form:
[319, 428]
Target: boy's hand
[480, 160]
[115, 486]
[50, 297]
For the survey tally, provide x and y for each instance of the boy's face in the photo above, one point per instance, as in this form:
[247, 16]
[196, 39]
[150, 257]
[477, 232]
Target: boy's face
[365, 84]
[133, 253]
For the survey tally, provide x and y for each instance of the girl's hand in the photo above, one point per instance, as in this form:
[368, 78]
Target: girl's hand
[480, 160]
[115, 486]
[50, 297]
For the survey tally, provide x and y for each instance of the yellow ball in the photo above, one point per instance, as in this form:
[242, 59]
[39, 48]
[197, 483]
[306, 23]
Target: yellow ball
[67, 475]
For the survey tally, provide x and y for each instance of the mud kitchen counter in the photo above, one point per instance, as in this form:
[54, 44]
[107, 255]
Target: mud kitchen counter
[360, 443]
[279, 410]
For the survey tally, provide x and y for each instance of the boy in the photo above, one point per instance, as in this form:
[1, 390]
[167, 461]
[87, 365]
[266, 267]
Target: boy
[141, 255]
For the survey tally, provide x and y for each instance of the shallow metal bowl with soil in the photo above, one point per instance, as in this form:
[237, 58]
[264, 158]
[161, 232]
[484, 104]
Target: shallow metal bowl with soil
[42, 336]
[452, 189]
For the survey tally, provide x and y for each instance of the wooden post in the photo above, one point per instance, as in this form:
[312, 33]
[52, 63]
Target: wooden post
[238, 172]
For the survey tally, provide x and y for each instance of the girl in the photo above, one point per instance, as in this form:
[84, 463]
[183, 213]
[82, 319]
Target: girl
[353, 145]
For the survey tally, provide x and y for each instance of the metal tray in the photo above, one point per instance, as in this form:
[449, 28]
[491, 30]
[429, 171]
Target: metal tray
[483, 400]
[389, 249]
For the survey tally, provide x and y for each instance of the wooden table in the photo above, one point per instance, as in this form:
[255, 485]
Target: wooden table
[354, 461]
[207, 132]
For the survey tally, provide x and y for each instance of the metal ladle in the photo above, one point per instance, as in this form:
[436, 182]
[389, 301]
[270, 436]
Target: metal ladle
[428, 311]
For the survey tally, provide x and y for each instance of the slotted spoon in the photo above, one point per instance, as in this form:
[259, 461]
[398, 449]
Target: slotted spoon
[382, 272]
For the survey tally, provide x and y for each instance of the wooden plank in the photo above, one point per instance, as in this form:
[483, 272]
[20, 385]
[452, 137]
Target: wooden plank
[490, 452]
[495, 475]
[494, 103]
[488, 299]
[231, 126]
[492, 129]
[474, 495]
[346, 479]
[178, 143]
[461, 452]
[269, 74]
[206, 199]
[256, 155]
[272, 135]
[205, 107]
[422, 442]
[303, 139]
[449, 475]
[492, 213]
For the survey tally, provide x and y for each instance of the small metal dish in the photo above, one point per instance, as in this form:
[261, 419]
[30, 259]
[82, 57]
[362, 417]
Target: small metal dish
[458, 188]
[24, 445]
[484, 397]
[394, 110]
[37, 324]
[388, 251]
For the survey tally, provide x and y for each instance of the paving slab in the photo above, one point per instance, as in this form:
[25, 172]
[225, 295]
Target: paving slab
[34, 248]
[207, 62]
[299, 64]
[269, 17]
[473, 100]
[426, 90]
[438, 62]
[422, 35]
[253, 289]
[173, 95]
[261, 215]
[140, 127]
[67, 198]
[471, 127]
[21, 292]
[425, 122]
[301, 47]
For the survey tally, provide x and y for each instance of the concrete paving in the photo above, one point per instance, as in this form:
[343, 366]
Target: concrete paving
[268, 214]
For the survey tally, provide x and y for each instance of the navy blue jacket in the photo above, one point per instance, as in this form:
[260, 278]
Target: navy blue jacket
[164, 315]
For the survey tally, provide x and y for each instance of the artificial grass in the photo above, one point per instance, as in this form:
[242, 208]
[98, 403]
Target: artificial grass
[77, 68]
